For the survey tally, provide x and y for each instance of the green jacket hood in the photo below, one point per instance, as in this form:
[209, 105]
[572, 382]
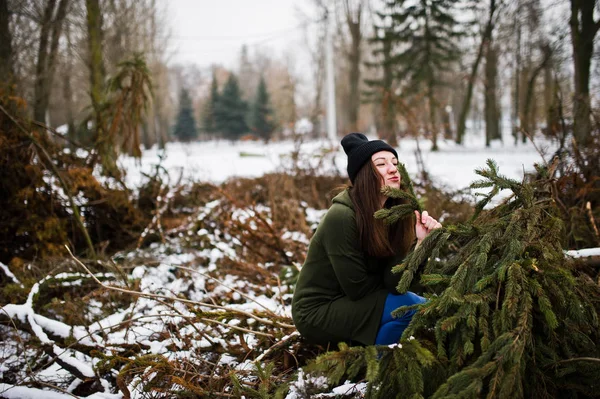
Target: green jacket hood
[344, 199]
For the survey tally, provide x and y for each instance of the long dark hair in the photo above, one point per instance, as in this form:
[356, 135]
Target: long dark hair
[376, 238]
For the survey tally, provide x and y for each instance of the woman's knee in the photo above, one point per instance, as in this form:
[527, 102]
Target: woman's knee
[415, 299]
[394, 302]
[397, 300]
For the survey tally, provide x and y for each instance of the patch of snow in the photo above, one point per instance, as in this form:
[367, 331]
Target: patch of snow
[350, 388]
[9, 274]
[69, 357]
[584, 253]
[228, 360]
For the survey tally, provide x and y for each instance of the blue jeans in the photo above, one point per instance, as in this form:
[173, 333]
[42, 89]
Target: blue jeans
[391, 329]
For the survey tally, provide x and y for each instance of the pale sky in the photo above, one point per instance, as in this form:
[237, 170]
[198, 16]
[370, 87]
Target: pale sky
[211, 31]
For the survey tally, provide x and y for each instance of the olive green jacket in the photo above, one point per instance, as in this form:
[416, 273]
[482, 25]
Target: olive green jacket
[341, 290]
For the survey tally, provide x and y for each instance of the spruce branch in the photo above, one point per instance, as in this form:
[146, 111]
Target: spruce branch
[505, 310]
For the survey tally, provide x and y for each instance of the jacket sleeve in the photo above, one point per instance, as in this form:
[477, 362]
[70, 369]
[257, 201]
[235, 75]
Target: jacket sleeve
[340, 240]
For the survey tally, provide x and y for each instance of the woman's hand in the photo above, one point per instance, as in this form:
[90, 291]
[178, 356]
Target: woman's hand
[424, 225]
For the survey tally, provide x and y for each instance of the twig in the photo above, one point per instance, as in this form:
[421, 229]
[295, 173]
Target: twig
[187, 318]
[57, 134]
[280, 291]
[156, 220]
[155, 296]
[588, 207]
[278, 247]
[277, 345]
[539, 151]
[55, 387]
[78, 219]
[238, 328]
[18, 339]
[226, 286]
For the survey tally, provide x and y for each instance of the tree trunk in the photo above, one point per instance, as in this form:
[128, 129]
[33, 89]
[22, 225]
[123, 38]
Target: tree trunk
[353, 19]
[46, 60]
[104, 144]
[39, 112]
[492, 114]
[389, 99]
[550, 106]
[68, 89]
[96, 63]
[318, 62]
[432, 117]
[517, 90]
[583, 31]
[6, 53]
[447, 124]
[388, 109]
[528, 114]
[485, 39]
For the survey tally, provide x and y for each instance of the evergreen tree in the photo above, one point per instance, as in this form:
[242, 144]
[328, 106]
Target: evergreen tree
[185, 127]
[507, 316]
[422, 38]
[261, 115]
[209, 113]
[247, 74]
[231, 111]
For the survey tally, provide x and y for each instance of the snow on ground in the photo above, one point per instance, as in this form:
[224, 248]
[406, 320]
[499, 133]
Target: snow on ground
[217, 161]
[453, 166]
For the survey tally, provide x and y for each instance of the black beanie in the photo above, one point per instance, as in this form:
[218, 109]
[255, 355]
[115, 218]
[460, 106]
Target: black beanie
[359, 150]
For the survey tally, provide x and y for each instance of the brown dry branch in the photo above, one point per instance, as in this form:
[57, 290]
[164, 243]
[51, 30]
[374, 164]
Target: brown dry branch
[237, 328]
[56, 173]
[69, 140]
[537, 148]
[167, 196]
[286, 340]
[185, 317]
[156, 220]
[271, 239]
[160, 375]
[248, 297]
[186, 301]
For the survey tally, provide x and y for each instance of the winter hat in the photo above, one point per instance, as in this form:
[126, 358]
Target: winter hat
[359, 150]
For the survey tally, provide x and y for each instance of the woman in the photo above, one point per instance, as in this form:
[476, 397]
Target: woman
[346, 290]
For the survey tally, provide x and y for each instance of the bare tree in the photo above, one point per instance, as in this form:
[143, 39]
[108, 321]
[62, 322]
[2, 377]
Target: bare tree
[6, 53]
[528, 118]
[583, 32]
[50, 32]
[492, 111]
[381, 88]
[353, 13]
[95, 48]
[315, 46]
[67, 86]
[486, 37]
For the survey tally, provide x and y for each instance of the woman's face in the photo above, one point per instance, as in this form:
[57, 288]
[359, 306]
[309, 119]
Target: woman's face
[386, 164]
